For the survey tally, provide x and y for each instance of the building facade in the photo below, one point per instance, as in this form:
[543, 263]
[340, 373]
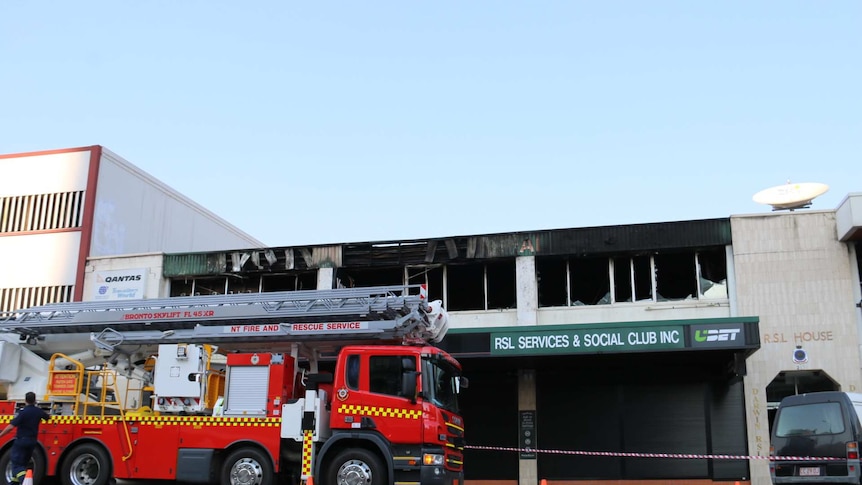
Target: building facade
[619, 343]
[58, 208]
[591, 352]
[799, 272]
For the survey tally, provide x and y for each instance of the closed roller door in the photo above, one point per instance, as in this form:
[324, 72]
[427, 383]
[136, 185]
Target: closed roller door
[247, 388]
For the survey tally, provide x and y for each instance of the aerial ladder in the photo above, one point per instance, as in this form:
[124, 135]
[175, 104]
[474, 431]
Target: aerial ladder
[255, 358]
[307, 324]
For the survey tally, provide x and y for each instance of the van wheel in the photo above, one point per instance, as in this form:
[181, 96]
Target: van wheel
[247, 466]
[86, 464]
[37, 464]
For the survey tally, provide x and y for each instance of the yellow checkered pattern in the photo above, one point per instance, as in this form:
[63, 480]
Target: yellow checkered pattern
[307, 449]
[380, 411]
[208, 421]
[162, 420]
[84, 419]
[72, 419]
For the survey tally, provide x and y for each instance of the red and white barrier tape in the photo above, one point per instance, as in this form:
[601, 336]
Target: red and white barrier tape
[655, 455]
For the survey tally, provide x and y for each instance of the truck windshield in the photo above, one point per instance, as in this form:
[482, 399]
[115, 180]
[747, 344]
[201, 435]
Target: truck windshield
[439, 380]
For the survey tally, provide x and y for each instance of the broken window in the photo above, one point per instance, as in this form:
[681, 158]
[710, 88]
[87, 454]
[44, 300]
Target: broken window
[365, 277]
[181, 287]
[590, 281]
[210, 286]
[643, 271]
[675, 276]
[465, 287]
[500, 282]
[670, 276]
[551, 281]
[622, 279]
[430, 276]
[243, 284]
[712, 268]
[488, 286]
[305, 280]
[633, 278]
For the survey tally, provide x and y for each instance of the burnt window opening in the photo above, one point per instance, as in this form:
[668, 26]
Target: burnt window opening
[430, 276]
[305, 280]
[675, 276]
[670, 276]
[489, 286]
[465, 287]
[181, 287]
[243, 284]
[712, 273]
[551, 281]
[643, 271]
[590, 281]
[500, 284]
[209, 286]
[633, 278]
[622, 280]
[365, 277]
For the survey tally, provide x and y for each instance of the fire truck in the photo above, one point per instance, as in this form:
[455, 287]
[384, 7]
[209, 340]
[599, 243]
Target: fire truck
[342, 386]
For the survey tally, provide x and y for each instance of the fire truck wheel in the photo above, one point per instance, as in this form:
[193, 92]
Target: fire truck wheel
[37, 464]
[355, 466]
[86, 464]
[246, 466]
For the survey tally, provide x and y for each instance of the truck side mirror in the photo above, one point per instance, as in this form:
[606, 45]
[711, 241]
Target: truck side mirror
[408, 385]
[461, 383]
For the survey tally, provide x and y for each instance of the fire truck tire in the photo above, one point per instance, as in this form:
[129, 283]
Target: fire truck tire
[247, 466]
[355, 466]
[37, 464]
[86, 464]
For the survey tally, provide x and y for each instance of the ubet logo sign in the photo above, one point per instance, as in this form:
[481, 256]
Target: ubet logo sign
[716, 335]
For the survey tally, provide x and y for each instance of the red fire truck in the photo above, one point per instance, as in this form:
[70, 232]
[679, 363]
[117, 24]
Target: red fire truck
[341, 385]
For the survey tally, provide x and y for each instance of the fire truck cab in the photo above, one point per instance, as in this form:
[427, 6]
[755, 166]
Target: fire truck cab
[344, 386]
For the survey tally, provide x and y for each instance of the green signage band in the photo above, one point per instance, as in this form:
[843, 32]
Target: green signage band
[589, 341]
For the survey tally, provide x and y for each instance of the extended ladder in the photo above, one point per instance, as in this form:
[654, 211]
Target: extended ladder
[387, 312]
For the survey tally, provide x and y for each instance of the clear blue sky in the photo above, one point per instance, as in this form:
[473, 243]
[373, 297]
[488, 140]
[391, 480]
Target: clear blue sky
[316, 122]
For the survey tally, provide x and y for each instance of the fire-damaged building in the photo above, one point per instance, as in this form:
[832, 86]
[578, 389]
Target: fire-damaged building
[620, 339]
[594, 353]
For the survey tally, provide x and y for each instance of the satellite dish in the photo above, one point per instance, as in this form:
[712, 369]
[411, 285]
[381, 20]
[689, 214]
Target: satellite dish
[790, 196]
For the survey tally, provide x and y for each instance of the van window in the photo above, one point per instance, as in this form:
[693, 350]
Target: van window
[810, 419]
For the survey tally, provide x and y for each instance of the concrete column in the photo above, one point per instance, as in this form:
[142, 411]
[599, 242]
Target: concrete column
[527, 469]
[325, 278]
[527, 290]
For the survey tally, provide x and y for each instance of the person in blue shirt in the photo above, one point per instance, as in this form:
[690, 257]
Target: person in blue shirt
[27, 423]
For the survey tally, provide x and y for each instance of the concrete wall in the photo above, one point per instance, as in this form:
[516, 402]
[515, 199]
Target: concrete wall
[794, 274]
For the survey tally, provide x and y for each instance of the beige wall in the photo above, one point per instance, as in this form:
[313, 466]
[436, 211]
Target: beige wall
[794, 274]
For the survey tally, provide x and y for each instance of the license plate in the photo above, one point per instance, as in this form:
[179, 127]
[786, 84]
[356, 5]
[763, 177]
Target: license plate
[809, 471]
